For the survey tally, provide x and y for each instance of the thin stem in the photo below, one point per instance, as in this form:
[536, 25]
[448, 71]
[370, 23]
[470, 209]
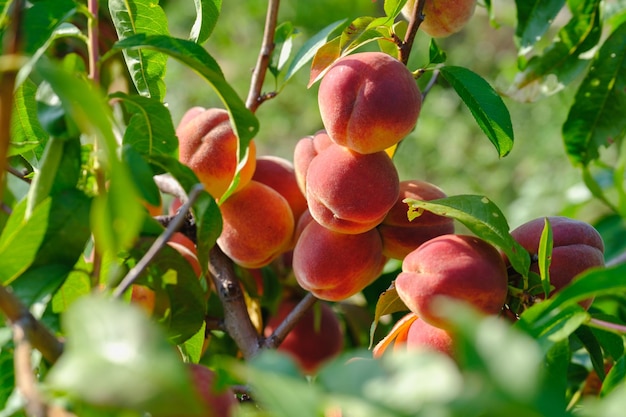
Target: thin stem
[607, 325]
[431, 84]
[414, 23]
[93, 36]
[289, 322]
[236, 319]
[255, 96]
[158, 244]
[18, 174]
[25, 379]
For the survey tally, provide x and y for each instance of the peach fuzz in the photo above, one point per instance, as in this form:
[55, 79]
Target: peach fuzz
[305, 150]
[443, 17]
[401, 236]
[315, 339]
[368, 101]
[257, 225]
[334, 266]
[462, 267]
[208, 145]
[350, 192]
[576, 247]
[279, 174]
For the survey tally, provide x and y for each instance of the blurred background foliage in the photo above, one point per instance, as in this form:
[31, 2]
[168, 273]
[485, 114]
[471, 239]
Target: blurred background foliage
[447, 147]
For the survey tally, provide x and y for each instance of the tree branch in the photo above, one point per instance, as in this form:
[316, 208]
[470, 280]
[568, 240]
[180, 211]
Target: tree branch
[25, 380]
[414, 23]
[289, 322]
[255, 96]
[236, 319]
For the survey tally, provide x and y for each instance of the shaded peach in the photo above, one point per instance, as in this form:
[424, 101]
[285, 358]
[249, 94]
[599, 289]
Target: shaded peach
[305, 150]
[422, 335]
[443, 17]
[208, 145]
[461, 267]
[215, 402]
[350, 192]
[279, 174]
[315, 339]
[401, 236]
[577, 246]
[257, 225]
[334, 266]
[368, 101]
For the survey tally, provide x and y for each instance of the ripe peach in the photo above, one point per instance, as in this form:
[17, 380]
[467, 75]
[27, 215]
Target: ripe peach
[443, 17]
[422, 335]
[401, 236]
[215, 403]
[350, 192]
[368, 101]
[257, 225]
[305, 150]
[279, 174]
[334, 266]
[577, 246]
[462, 267]
[208, 145]
[316, 338]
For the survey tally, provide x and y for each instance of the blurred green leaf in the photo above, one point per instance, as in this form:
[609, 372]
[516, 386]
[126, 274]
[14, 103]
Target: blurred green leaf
[389, 302]
[77, 284]
[283, 43]
[150, 128]
[310, 48]
[26, 131]
[125, 358]
[42, 19]
[436, 55]
[485, 104]
[245, 124]
[7, 373]
[393, 8]
[146, 67]
[592, 346]
[596, 117]
[207, 14]
[142, 175]
[482, 217]
[193, 347]
[534, 17]
[615, 377]
[545, 256]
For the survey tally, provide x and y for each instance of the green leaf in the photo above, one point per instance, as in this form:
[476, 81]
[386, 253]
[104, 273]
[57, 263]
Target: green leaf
[142, 175]
[193, 347]
[592, 346]
[7, 373]
[42, 19]
[310, 48]
[324, 57]
[615, 377]
[596, 117]
[26, 131]
[146, 67]
[534, 17]
[482, 217]
[150, 128]
[207, 14]
[76, 285]
[245, 124]
[20, 240]
[562, 58]
[355, 30]
[393, 8]
[389, 302]
[180, 305]
[125, 358]
[545, 256]
[436, 55]
[485, 104]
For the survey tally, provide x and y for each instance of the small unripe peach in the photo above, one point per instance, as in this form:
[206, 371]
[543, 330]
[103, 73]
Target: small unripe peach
[208, 145]
[464, 268]
[443, 17]
[316, 338]
[334, 266]
[350, 192]
[400, 235]
[369, 101]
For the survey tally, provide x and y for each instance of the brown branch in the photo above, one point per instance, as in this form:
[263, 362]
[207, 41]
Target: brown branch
[414, 23]
[236, 319]
[18, 174]
[25, 380]
[255, 96]
[288, 323]
[94, 39]
[38, 335]
[169, 185]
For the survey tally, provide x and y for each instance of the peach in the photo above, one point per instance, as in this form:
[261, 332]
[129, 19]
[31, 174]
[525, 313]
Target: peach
[214, 402]
[368, 101]
[279, 174]
[443, 17]
[208, 145]
[422, 335]
[316, 338]
[334, 266]
[350, 192]
[305, 150]
[462, 267]
[258, 225]
[576, 247]
[401, 236]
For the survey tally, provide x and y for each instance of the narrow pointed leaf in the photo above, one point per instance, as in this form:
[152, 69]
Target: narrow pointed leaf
[534, 17]
[26, 131]
[207, 13]
[485, 104]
